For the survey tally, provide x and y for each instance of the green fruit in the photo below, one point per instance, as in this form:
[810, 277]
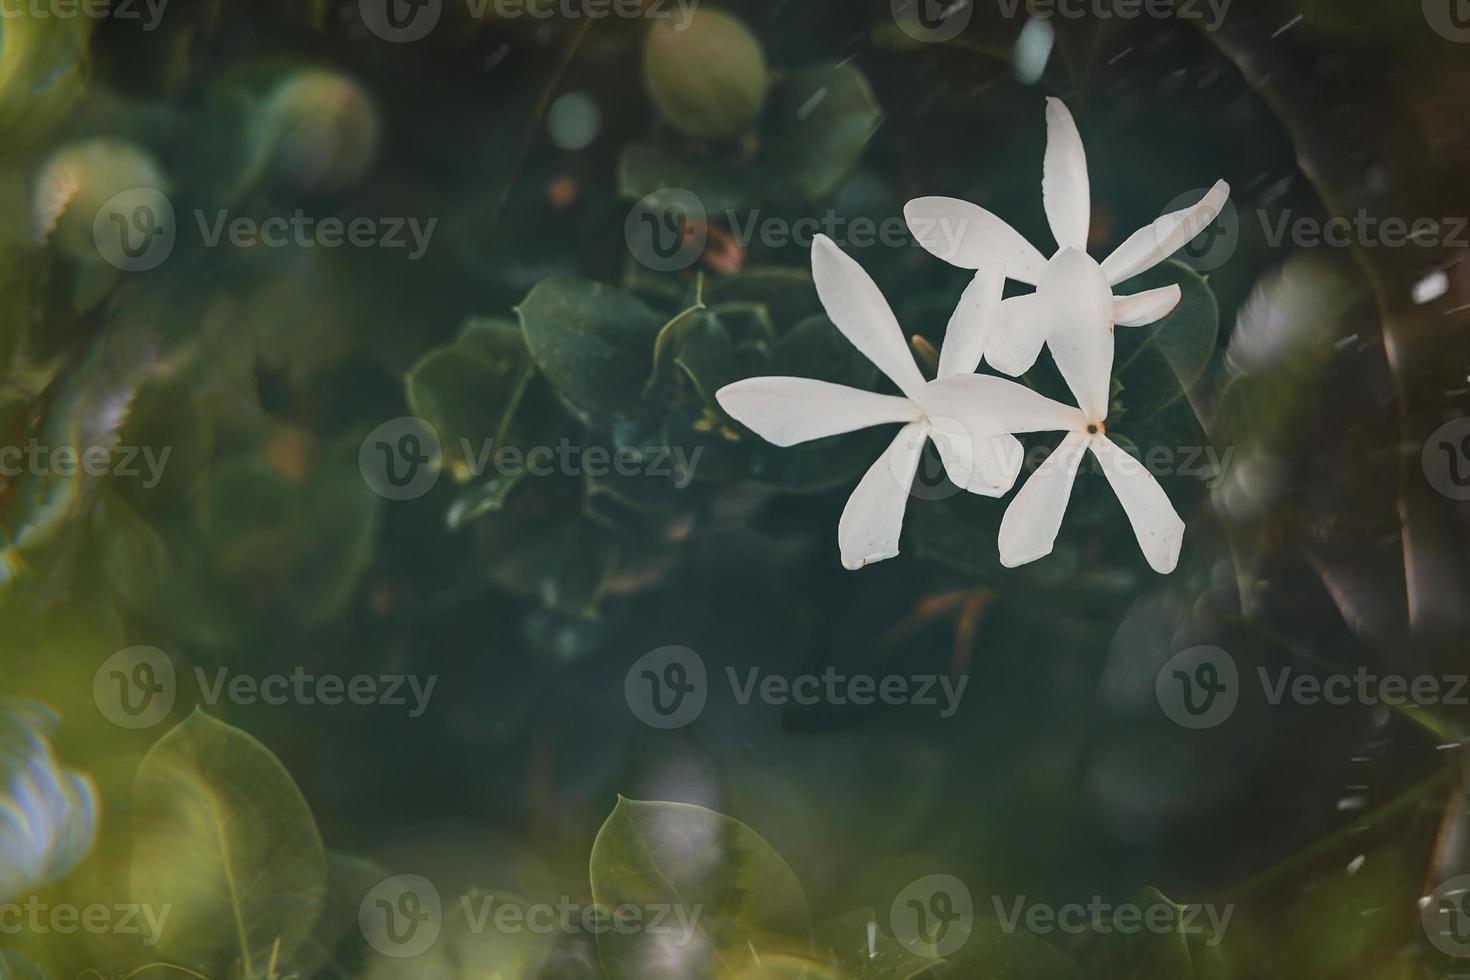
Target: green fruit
[321, 130]
[708, 78]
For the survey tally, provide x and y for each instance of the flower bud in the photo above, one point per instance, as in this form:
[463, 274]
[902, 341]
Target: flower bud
[708, 78]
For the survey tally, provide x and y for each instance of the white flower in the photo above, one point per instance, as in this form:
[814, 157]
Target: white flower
[969, 417]
[48, 813]
[1029, 528]
[1073, 309]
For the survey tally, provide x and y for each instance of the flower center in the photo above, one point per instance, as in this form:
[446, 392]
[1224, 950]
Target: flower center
[1093, 428]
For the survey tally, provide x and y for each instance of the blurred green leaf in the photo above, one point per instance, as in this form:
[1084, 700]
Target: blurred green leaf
[225, 841]
[698, 862]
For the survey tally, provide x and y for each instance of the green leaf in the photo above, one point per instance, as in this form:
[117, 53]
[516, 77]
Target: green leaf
[469, 390]
[227, 843]
[592, 341]
[749, 904]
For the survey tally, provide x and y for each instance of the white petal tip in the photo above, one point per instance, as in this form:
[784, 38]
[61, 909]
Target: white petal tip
[852, 564]
[1017, 560]
[1165, 556]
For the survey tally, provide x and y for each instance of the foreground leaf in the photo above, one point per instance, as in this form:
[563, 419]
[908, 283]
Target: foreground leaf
[741, 900]
[227, 843]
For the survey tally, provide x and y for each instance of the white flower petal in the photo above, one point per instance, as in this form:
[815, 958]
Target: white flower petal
[1029, 528]
[970, 237]
[986, 404]
[1074, 309]
[857, 307]
[1158, 527]
[1152, 244]
[1015, 338]
[1149, 306]
[873, 518]
[785, 411]
[986, 463]
[1064, 186]
[964, 338]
